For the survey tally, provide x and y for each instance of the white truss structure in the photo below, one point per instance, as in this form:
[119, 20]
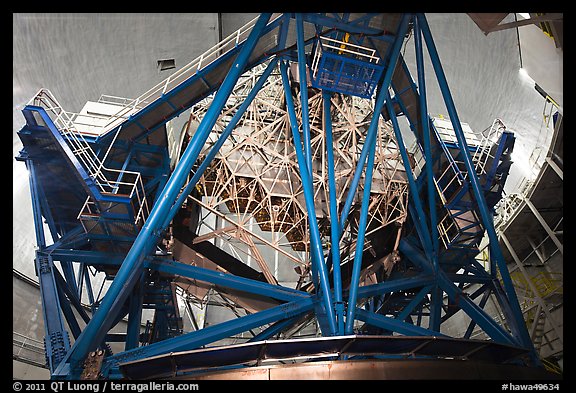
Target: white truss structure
[252, 189]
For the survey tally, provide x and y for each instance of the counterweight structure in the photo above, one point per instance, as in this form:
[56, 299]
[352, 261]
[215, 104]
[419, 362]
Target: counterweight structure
[292, 160]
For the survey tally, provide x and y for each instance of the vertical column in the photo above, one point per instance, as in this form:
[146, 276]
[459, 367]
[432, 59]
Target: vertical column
[432, 253]
[478, 194]
[363, 223]
[56, 339]
[317, 256]
[372, 130]
[334, 224]
[131, 267]
[420, 221]
[303, 92]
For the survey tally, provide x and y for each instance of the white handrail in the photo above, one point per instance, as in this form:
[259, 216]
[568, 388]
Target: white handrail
[180, 76]
[482, 153]
[82, 150]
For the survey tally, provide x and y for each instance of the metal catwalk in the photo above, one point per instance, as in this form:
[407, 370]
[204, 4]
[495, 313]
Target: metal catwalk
[292, 164]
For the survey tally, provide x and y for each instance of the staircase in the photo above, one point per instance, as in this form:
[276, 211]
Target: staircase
[459, 226]
[116, 204]
[548, 286]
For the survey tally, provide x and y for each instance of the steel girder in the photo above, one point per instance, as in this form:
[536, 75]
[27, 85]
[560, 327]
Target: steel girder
[422, 282]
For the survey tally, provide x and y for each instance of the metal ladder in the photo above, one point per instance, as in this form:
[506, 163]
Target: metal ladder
[100, 174]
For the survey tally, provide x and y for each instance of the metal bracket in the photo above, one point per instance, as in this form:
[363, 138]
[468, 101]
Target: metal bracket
[92, 365]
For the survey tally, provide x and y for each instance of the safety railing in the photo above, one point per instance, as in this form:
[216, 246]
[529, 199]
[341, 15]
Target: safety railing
[114, 100]
[137, 194]
[184, 73]
[28, 348]
[76, 141]
[451, 180]
[346, 68]
[101, 175]
[490, 137]
[545, 283]
[548, 365]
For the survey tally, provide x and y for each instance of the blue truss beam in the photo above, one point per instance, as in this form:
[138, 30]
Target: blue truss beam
[128, 273]
[400, 284]
[363, 223]
[436, 301]
[420, 218]
[317, 256]
[135, 312]
[416, 300]
[334, 223]
[275, 328]
[371, 136]
[458, 296]
[395, 325]
[476, 188]
[227, 280]
[214, 333]
[482, 304]
[56, 340]
[303, 92]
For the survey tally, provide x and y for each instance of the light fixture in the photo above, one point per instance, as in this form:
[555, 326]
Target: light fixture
[525, 76]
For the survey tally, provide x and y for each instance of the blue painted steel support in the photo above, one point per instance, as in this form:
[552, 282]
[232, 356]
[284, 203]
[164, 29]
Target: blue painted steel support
[363, 223]
[226, 280]
[394, 324]
[71, 239]
[400, 284]
[504, 302]
[72, 296]
[476, 188]
[217, 332]
[303, 92]
[371, 137]
[316, 254]
[223, 137]
[135, 312]
[457, 296]
[68, 271]
[88, 289]
[334, 224]
[67, 312]
[436, 301]
[46, 212]
[36, 209]
[80, 279]
[416, 300]
[56, 341]
[274, 329]
[482, 303]
[420, 221]
[151, 231]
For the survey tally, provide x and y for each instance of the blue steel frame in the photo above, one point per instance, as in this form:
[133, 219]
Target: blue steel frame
[61, 294]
